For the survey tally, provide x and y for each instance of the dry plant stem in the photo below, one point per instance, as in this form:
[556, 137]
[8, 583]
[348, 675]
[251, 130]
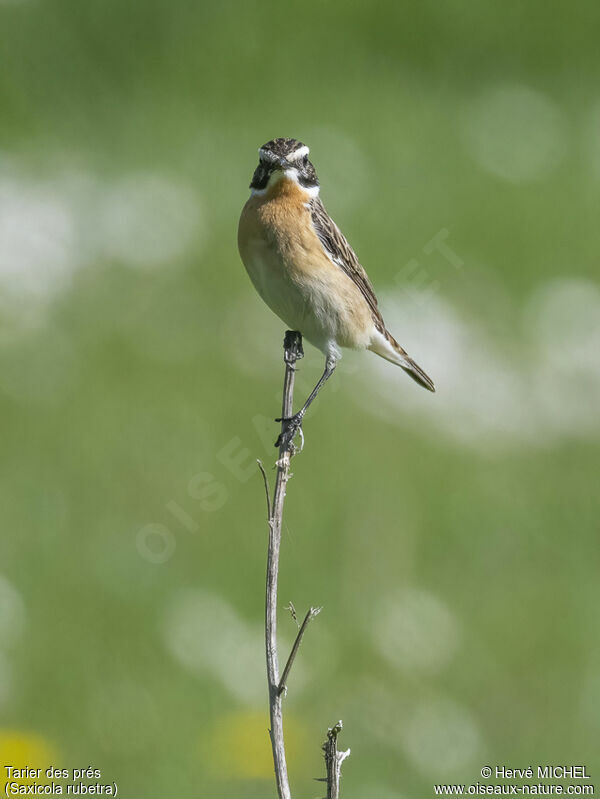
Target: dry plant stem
[311, 613]
[292, 346]
[333, 761]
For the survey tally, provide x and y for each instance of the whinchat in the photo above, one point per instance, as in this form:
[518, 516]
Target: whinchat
[304, 269]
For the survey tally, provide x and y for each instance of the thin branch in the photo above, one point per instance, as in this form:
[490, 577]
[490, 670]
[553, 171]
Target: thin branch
[292, 346]
[311, 613]
[333, 761]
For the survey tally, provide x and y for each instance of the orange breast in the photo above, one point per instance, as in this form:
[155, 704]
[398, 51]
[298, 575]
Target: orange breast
[281, 217]
[291, 271]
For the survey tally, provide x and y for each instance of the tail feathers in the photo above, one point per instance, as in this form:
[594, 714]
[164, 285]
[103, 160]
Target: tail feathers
[386, 346]
[418, 375]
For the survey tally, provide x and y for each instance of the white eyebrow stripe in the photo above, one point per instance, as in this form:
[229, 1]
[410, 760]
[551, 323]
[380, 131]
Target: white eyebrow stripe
[267, 155]
[299, 153]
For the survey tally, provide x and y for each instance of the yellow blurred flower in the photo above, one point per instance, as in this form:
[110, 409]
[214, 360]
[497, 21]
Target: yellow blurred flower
[25, 750]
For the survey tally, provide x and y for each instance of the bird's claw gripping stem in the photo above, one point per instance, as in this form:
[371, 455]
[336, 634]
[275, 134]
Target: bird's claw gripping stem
[290, 427]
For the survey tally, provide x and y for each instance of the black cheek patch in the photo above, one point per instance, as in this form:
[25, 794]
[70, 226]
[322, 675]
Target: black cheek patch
[307, 176]
[260, 178]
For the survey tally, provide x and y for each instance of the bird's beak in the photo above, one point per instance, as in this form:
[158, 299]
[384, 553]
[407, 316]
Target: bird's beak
[284, 163]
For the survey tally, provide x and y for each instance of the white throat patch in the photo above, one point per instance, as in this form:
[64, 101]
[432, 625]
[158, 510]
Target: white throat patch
[290, 174]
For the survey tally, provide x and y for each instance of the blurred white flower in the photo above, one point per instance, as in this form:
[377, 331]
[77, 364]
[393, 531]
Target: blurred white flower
[36, 242]
[206, 635]
[484, 399]
[415, 631]
[564, 319]
[148, 220]
[441, 738]
[49, 228]
[515, 133]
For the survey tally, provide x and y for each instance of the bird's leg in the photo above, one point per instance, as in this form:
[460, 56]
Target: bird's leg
[291, 425]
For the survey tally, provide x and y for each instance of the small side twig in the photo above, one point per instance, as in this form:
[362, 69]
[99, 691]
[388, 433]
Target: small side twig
[292, 610]
[267, 494]
[333, 761]
[311, 613]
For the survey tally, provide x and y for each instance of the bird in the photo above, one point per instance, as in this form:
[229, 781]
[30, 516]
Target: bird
[304, 269]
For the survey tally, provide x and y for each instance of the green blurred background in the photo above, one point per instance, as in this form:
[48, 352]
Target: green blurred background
[452, 539]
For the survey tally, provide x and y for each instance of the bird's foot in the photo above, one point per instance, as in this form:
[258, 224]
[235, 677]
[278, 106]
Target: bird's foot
[290, 427]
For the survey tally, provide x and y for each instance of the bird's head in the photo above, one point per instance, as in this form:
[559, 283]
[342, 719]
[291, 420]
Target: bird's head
[287, 158]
